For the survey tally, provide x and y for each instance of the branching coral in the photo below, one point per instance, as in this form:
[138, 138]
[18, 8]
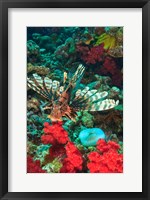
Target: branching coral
[106, 159]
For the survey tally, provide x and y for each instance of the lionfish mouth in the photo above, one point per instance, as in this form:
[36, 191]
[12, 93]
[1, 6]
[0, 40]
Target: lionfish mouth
[71, 99]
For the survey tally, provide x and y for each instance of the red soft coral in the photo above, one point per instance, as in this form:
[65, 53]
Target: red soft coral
[69, 154]
[33, 166]
[73, 162]
[91, 56]
[54, 134]
[110, 68]
[57, 151]
[83, 50]
[108, 160]
[96, 54]
[104, 146]
[67, 167]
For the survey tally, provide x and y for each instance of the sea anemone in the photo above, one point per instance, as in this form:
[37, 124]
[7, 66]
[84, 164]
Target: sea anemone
[90, 136]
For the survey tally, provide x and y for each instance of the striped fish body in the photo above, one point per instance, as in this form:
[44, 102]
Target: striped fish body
[62, 104]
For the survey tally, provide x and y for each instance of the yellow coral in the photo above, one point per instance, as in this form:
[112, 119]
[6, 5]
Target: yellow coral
[111, 39]
[108, 40]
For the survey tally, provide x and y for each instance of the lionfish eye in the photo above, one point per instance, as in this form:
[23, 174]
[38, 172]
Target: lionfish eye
[47, 111]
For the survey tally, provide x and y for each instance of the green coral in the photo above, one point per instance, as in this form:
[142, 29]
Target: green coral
[41, 152]
[53, 167]
[87, 119]
[121, 147]
[31, 148]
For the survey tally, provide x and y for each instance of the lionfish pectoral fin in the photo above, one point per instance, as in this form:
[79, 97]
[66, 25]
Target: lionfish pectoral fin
[78, 74]
[106, 104]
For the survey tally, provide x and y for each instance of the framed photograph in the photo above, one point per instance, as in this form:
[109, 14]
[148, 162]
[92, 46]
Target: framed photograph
[74, 99]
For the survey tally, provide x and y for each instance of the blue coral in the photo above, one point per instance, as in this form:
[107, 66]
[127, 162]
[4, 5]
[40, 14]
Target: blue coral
[90, 136]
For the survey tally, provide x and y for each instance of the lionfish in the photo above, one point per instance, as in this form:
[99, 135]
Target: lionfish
[65, 99]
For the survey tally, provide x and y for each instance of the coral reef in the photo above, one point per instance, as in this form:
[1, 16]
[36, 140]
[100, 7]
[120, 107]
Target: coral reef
[75, 100]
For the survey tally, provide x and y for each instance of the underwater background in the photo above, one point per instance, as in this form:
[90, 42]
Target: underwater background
[75, 100]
